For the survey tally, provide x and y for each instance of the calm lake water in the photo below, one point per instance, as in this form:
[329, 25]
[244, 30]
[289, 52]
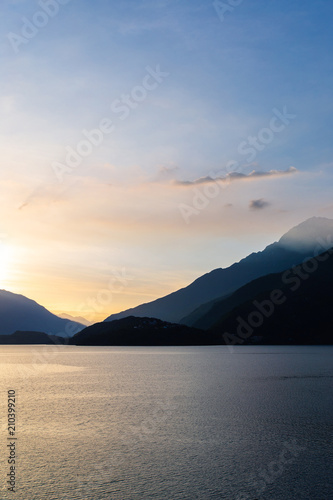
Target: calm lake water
[169, 423]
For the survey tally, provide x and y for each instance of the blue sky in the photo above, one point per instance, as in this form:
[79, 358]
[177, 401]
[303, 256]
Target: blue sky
[122, 206]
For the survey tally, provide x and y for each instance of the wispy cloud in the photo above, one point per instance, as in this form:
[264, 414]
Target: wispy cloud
[238, 176]
[46, 194]
[164, 169]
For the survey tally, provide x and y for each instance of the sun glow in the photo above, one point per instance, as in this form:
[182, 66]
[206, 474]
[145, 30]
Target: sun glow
[5, 260]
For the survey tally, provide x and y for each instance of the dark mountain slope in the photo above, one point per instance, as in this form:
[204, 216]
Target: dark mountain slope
[133, 331]
[313, 235]
[222, 306]
[293, 307]
[20, 313]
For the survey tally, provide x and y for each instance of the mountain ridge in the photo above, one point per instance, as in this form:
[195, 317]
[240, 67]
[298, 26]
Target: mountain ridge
[291, 307]
[19, 313]
[317, 234]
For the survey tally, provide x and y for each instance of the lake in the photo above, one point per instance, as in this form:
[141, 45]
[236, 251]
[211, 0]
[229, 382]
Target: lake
[168, 423]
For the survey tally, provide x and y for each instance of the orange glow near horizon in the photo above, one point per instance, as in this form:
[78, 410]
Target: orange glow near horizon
[94, 256]
[94, 299]
[6, 264]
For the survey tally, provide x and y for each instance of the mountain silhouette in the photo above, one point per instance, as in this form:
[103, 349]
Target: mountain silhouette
[18, 313]
[132, 331]
[303, 241]
[292, 307]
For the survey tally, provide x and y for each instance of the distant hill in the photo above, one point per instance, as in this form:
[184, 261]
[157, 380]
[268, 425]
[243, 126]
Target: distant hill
[312, 236]
[20, 313]
[133, 331]
[20, 338]
[293, 307]
[76, 319]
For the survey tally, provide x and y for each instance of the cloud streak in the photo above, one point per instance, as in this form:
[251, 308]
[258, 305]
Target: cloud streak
[238, 176]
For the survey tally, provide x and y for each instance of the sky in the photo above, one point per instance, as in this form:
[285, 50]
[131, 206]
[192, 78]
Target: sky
[145, 143]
